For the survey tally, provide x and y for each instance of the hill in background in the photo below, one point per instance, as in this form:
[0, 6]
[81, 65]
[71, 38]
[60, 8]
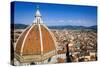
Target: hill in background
[23, 26]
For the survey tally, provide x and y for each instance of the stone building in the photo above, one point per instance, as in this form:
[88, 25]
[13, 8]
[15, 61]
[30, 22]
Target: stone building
[36, 44]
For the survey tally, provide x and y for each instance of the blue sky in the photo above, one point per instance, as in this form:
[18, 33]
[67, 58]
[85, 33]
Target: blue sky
[55, 14]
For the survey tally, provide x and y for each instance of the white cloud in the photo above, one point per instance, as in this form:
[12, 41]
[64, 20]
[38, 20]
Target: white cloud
[61, 20]
[75, 22]
[69, 20]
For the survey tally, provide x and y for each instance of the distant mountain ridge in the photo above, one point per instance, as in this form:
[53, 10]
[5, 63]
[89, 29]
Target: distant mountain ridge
[20, 26]
[23, 26]
[73, 27]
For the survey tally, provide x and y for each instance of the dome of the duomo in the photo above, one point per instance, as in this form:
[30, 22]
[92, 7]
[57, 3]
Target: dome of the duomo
[36, 43]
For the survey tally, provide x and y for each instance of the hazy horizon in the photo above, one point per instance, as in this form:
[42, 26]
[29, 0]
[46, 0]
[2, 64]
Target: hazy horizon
[58, 25]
